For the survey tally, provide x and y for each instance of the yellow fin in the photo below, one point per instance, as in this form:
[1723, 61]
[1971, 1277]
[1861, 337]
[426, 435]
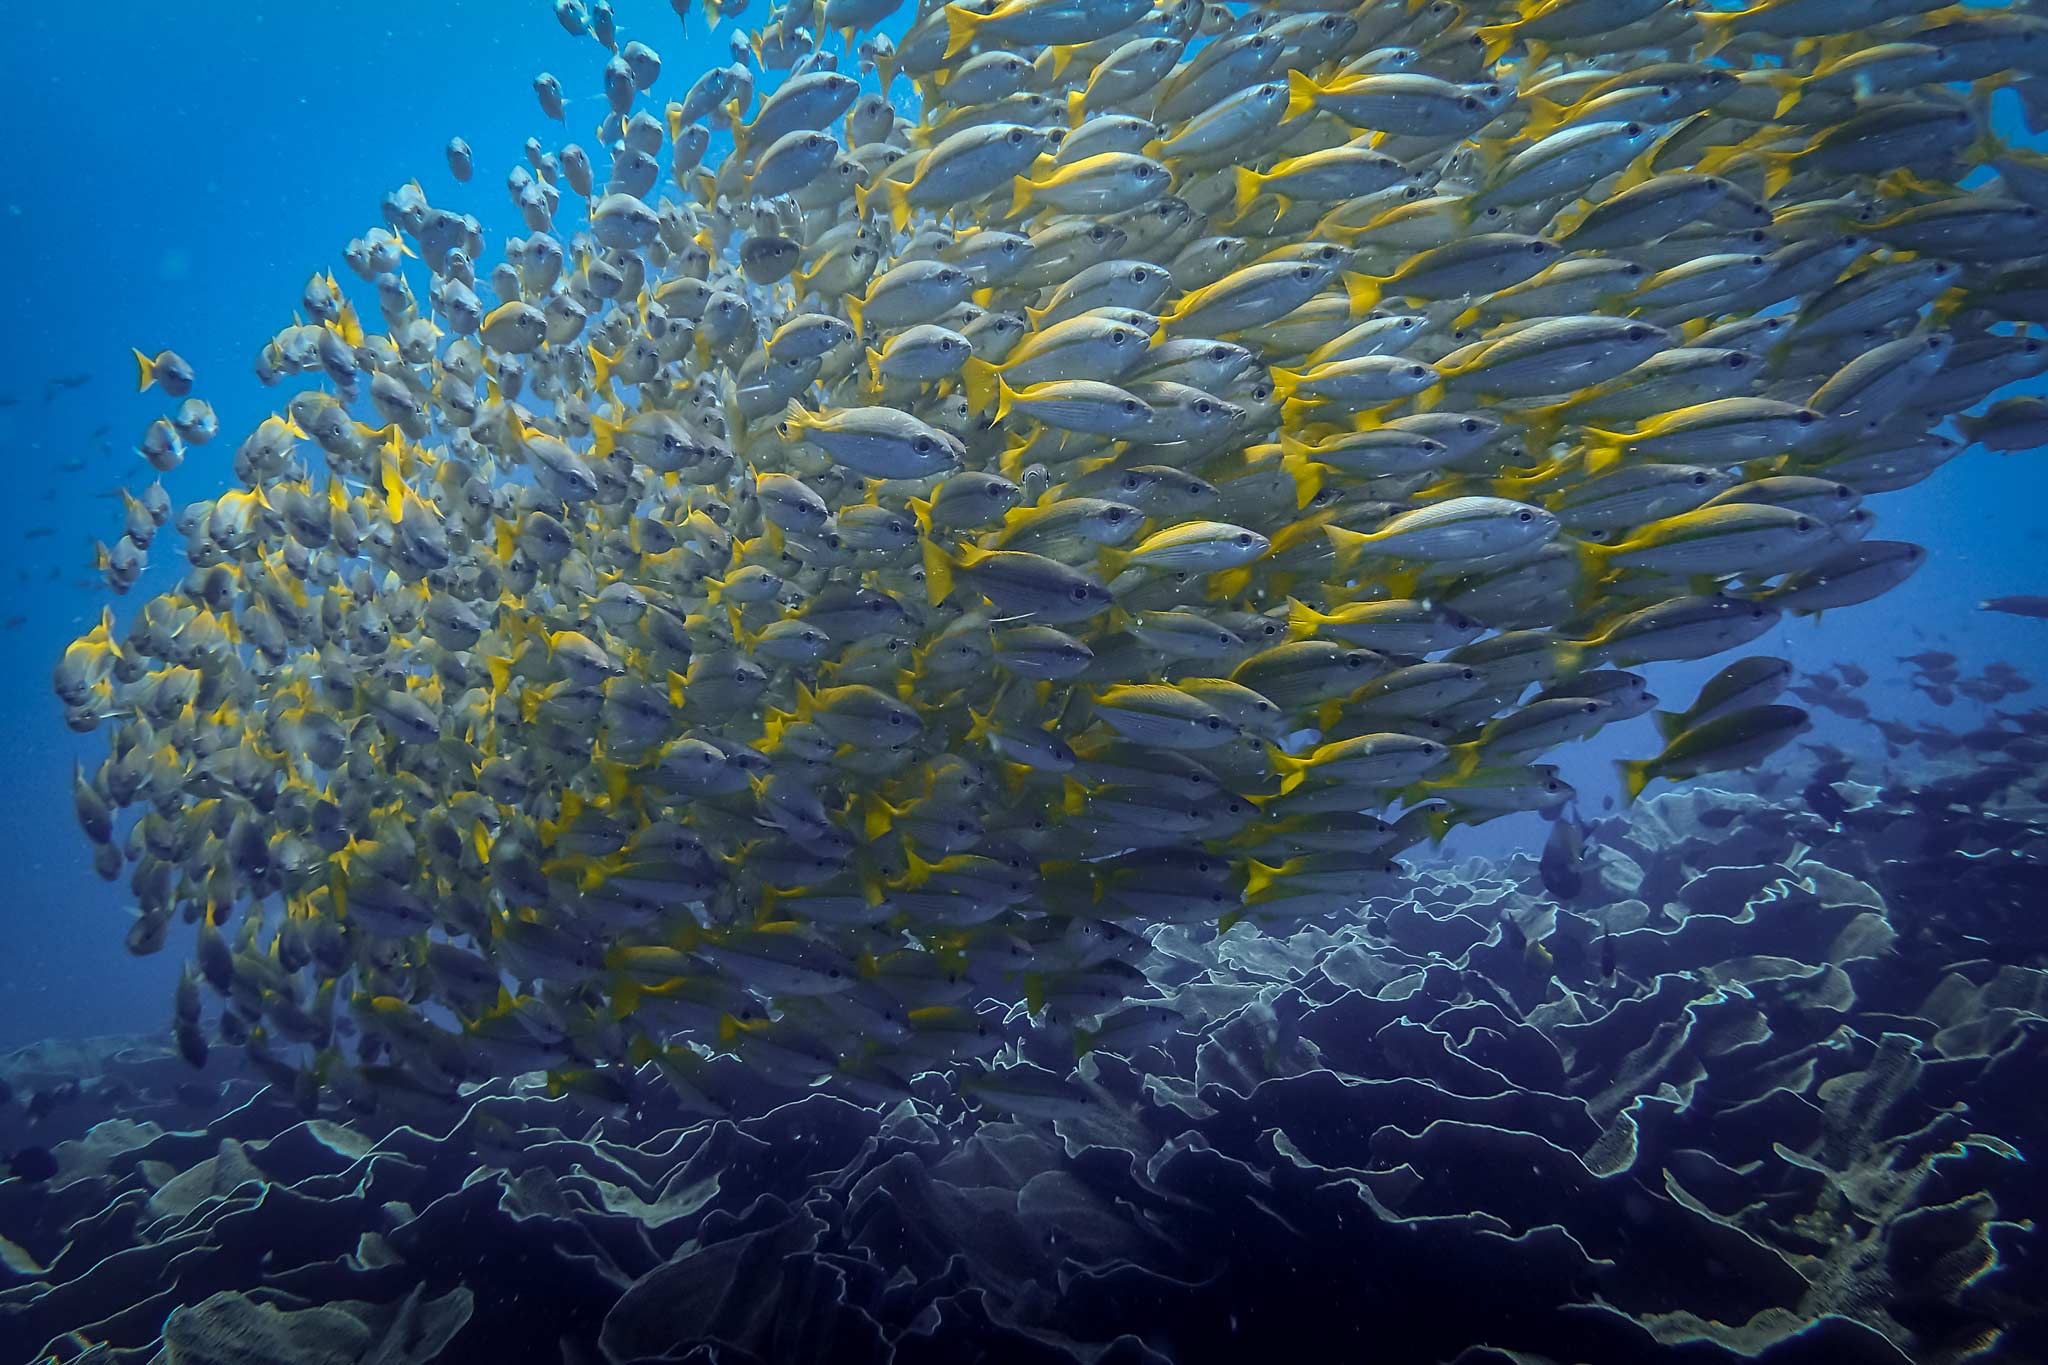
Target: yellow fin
[1635, 775]
[1301, 94]
[961, 25]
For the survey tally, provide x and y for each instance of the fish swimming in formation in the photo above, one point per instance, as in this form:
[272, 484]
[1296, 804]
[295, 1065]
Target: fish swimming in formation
[1074, 469]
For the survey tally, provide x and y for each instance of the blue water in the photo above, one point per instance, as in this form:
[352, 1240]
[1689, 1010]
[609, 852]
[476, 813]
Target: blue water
[171, 175]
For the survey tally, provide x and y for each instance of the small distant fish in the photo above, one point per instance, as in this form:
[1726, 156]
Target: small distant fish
[2036, 607]
[167, 369]
[38, 532]
[64, 381]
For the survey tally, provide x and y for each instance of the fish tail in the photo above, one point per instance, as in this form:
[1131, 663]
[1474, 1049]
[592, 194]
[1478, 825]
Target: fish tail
[1544, 115]
[606, 434]
[1259, 878]
[1603, 451]
[1307, 476]
[1363, 291]
[346, 324]
[874, 369]
[1006, 398]
[921, 508]
[146, 371]
[938, 572]
[1498, 39]
[1670, 724]
[1077, 107]
[961, 26]
[1635, 775]
[1020, 195]
[1303, 620]
[1593, 560]
[792, 424]
[981, 381]
[1301, 94]
[1247, 189]
[1789, 84]
[1349, 544]
[1062, 57]
[394, 490]
[898, 196]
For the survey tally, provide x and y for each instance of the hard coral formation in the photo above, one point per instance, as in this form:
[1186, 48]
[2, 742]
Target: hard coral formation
[1786, 1128]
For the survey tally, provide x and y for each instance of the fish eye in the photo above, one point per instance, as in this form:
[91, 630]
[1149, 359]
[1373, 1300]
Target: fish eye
[1699, 480]
[1807, 417]
[1140, 275]
[1214, 722]
[1016, 137]
[1118, 337]
[1113, 515]
[1203, 406]
[1538, 247]
[1131, 406]
[1132, 481]
[1096, 234]
[1525, 515]
[1080, 593]
[1244, 538]
[1802, 525]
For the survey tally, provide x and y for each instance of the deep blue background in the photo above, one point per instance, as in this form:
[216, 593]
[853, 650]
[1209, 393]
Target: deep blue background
[171, 175]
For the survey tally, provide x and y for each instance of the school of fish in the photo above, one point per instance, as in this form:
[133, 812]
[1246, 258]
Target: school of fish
[913, 515]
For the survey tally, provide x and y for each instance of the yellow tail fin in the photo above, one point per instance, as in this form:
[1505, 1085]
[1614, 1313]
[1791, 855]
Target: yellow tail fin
[961, 25]
[938, 572]
[981, 381]
[1349, 544]
[1301, 94]
[1247, 189]
[1364, 292]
